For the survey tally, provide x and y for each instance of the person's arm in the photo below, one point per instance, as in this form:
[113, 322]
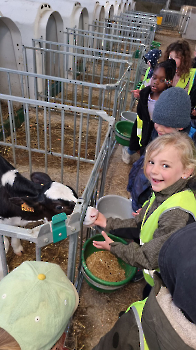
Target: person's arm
[134, 139]
[193, 99]
[146, 256]
[136, 93]
[111, 224]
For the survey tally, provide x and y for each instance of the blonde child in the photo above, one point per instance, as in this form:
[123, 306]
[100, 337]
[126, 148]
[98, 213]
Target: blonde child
[167, 318]
[36, 302]
[170, 161]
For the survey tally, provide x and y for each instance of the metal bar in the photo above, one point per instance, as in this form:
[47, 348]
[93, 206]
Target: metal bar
[62, 141]
[3, 256]
[45, 140]
[28, 138]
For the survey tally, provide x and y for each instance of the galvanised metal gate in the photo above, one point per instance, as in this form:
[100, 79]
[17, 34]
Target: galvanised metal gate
[147, 15]
[103, 41]
[84, 137]
[53, 61]
[111, 96]
[136, 17]
[138, 21]
[175, 20]
[118, 29]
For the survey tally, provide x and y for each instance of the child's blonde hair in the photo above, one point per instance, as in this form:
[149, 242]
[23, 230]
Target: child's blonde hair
[7, 342]
[181, 141]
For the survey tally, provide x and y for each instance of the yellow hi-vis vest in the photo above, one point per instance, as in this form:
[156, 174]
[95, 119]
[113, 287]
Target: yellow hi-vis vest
[182, 83]
[184, 200]
[137, 308]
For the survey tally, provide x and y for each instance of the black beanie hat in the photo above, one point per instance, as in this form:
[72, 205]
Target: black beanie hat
[173, 108]
[177, 262]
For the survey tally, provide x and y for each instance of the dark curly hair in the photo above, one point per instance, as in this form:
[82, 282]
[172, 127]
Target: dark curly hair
[169, 66]
[183, 49]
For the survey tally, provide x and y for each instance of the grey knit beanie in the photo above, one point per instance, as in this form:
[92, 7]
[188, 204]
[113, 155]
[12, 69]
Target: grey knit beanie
[173, 108]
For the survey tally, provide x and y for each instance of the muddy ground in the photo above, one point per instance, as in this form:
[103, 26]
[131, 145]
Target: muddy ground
[97, 312]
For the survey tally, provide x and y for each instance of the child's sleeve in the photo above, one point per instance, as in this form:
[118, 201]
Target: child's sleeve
[146, 256]
[113, 224]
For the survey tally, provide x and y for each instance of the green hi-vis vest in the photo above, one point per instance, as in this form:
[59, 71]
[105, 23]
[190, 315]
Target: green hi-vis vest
[182, 83]
[184, 200]
[137, 308]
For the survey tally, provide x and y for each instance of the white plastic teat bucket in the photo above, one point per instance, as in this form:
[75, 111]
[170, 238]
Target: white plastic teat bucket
[129, 116]
[115, 206]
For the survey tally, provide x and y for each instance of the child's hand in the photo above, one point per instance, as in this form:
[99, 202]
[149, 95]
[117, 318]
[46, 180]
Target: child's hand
[103, 244]
[136, 93]
[136, 213]
[100, 220]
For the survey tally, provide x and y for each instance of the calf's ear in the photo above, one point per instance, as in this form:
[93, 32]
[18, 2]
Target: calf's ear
[31, 201]
[40, 178]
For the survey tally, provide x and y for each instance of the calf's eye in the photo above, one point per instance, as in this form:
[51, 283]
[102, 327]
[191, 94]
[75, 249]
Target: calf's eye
[59, 207]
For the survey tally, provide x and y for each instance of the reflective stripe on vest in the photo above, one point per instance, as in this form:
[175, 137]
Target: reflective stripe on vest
[148, 276]
[146, 74]
[145, 80]
[139, 129]
[137, 308]
[182, 83]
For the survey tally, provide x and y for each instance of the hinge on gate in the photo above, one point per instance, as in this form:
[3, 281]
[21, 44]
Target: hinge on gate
[59, 229]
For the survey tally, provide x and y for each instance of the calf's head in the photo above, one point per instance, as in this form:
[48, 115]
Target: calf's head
[50, 198]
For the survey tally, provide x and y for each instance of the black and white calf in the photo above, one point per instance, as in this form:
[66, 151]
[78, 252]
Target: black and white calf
[23, 200]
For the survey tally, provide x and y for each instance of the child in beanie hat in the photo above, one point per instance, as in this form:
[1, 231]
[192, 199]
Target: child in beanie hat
[152, 58]
[36, 302]
[172, 109]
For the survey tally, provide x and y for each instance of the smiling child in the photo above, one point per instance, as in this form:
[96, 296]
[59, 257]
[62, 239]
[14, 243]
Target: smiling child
[170, 166]
[161, 79]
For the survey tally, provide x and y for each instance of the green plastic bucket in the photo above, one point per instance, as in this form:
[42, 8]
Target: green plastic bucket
[97, 283]
[123, 131]
[155, 45]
